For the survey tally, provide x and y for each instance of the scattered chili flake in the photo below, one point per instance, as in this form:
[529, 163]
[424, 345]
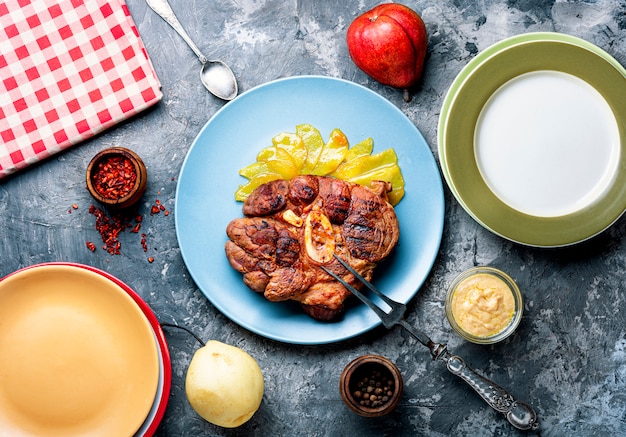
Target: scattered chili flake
[114, 177]
[150, 260]
[109, 229]
[166, 213]
[74, 206]
[143, 243]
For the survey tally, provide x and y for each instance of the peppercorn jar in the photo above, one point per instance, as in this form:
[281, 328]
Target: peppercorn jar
[116, 177]
[371, 385]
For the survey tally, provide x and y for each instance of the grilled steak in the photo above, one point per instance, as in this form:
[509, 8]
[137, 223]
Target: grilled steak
[292, 227]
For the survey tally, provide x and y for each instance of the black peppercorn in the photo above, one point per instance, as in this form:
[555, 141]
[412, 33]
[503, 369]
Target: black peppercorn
[377, 386]
[371, 385]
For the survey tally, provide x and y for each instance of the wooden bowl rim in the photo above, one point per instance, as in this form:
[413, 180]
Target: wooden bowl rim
[140, 183]
[353, 367]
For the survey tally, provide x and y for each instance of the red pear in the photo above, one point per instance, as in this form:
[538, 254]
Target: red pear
[389, 44]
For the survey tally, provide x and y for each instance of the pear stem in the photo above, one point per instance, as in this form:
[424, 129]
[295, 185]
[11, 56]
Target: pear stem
[170, 325]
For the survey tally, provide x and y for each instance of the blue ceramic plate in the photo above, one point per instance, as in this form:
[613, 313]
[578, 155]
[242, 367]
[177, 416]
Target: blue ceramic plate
[231, 139]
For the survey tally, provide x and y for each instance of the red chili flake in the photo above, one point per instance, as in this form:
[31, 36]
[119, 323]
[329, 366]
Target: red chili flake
[74, 206]
[110, 226]
[91, 246]
[109, 229]
[150, 260]
[114, 177]
[143, 243]
[69, 211]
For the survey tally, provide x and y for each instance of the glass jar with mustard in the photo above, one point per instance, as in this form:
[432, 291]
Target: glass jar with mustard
[484, 305]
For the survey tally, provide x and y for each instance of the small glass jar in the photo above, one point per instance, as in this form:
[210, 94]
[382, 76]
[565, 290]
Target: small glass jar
[484, 305]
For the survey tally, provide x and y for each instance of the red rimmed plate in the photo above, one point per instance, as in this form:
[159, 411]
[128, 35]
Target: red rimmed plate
[159, 406]
[98, 339]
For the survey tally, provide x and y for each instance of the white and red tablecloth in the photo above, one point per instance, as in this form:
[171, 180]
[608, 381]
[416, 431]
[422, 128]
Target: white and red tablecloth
[68, 70]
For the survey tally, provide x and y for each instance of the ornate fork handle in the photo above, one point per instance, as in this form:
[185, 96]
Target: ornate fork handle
[519, 414]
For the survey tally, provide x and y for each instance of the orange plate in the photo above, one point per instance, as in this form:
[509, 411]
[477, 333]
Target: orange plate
[77, 355]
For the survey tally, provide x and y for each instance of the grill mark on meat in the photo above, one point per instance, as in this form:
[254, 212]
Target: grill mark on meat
[287, 248]
[366, 227]
[361, 238]
[270, 251]
[256, 236]
[268, 199]
[335, 194]
[303, 189]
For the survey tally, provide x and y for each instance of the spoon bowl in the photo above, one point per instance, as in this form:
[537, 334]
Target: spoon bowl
[219, 79]
[215, 75]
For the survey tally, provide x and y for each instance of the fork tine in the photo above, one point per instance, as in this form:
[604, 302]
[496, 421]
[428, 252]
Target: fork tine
[368, 284]
[379, 312]
[394, 317]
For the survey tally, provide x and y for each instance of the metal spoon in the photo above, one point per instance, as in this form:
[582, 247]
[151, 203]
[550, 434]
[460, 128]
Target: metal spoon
[215, 75]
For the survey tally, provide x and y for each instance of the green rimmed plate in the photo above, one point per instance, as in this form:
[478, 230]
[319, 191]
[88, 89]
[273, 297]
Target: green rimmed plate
[459, 150]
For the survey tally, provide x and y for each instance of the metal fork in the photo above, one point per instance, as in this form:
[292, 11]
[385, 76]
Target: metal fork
[519, 414]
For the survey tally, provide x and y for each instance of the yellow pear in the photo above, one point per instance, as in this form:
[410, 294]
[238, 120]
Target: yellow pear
[224, 384]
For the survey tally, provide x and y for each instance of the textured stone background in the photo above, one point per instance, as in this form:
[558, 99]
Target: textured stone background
[568, 357]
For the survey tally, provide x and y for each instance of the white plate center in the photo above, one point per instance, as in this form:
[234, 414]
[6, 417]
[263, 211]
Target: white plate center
[547, 143]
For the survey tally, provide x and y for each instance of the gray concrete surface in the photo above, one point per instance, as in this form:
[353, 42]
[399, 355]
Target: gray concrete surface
[568, 357]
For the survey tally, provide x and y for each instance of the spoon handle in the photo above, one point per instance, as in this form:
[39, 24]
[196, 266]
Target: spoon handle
[163, 8]
[519, 414]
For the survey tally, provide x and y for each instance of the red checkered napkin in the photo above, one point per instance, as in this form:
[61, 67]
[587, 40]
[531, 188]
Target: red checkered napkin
[68, 70]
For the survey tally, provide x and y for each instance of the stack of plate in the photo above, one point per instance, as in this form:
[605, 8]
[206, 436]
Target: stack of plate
[80, 353]
[532, 139]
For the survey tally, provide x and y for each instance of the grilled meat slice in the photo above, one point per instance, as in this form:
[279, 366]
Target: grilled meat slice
[292, 227]
[269, 198]
[370, 226]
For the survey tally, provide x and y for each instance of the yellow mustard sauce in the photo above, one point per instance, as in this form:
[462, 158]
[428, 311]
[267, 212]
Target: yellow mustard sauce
[483, 305]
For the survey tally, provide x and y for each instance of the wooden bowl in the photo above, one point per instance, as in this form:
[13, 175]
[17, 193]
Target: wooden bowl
[360, 369]
[125, 180]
